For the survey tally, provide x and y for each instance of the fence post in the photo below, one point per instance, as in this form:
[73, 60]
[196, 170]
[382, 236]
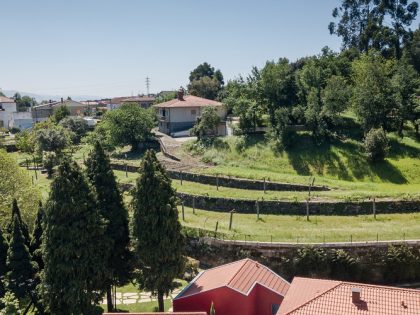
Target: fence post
[217, 181]
[257, 205]
[193, 204]
[351, 238]
[264, 185]
[183, 211]
[126, 170]
[36, 174]
[27, 164]
[374, 208]
[307, 209]
[181, 177]
[231, 219]
[32, 179]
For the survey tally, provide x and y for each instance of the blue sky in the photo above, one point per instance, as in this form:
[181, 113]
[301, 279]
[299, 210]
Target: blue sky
[108, 47]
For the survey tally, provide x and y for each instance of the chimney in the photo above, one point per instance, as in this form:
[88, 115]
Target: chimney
[181, 94]
[355, 295]
[62, 101]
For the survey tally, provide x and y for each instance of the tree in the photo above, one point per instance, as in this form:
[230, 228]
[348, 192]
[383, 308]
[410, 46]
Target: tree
[77, 127]
[36, 241]
[205, 81]
[405, 83]
[61, 113]
[128, 125]
[335, 97]
[376, 145]
[72, 244]
[206, 124]
[205, 87]
[3, 267]
[21, 270]
[25, 141]
[212, 310]
[159, 244]
[112, 209]
[373, 97]
[53, 139]
[9, 305]
[315, 120]
[15, 183]
[412, 50]
[23, 226]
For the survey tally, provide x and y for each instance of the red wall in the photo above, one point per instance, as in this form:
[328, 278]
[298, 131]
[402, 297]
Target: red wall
[230, 302]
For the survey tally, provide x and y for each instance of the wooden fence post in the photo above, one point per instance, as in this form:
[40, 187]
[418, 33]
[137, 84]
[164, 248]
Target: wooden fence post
[193, 204]
[374, 208]
[183, 211]
[217, 181]
[181, 177]
[264, 185]
[307, 209]
[231, 219]
[126, 170]
[257, 205]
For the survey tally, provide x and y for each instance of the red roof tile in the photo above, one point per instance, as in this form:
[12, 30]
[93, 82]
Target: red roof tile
[240, 275]
[314, 296]
[189, 101]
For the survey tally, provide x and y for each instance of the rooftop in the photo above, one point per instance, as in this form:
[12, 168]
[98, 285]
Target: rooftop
[188, 101]
[314, 296]
[4, 99]
[241, 276]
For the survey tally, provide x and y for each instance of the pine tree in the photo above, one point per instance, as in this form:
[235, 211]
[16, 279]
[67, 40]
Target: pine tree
[72, 244]
[3, 257]
[23, 225]
[21, 270]
[111, 207]
[35, 246]
[212, 310]
[159, 244]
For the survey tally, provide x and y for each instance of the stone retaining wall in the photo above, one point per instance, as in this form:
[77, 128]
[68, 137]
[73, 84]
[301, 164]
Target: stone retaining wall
[297, 208]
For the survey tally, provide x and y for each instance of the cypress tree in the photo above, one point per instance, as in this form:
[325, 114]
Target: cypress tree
[159, 244]
[21, 270]
[111, 207]
[35, 246]
[72, 249]
[3, 257]
[23, 225]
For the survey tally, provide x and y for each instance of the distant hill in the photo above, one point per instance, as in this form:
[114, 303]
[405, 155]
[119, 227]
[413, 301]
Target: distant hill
[46, 97]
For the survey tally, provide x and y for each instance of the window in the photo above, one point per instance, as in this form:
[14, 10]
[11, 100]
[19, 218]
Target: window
[163, 112]
[274, 308]
[193, 112]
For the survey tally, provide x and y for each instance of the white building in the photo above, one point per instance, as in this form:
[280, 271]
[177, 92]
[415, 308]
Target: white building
[181, 113]
[10, 117]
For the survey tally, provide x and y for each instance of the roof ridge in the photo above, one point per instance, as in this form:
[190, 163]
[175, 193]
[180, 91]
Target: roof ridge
[389, 287]
[314, 298]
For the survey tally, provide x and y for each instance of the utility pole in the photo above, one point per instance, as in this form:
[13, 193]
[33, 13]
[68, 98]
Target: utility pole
[148, 85]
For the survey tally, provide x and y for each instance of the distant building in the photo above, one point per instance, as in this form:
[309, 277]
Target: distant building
[181, 113]
[42, 112]
[315, 296]
[244, 287]
[143, 101]
[11, 118]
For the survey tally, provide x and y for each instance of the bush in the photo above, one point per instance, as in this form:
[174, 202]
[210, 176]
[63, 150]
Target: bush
[77, 126]
[376, 145]
[400, 264]
[9, 305]
[14, 130]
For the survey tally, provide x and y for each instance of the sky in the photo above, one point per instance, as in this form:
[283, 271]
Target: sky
[108, 47]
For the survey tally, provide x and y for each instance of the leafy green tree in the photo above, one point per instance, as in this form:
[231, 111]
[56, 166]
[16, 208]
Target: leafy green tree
[282, 132]
[412, 50]
[77, 126]
[205, 87]
[405, 83]
[25, 141]
[73, 245]
[36, 241]
[61, 113]
[112, 209]
[376, 145]
[16, 183]
[315, 120]
[3, 267]
[373, 97]
[128, 125]
[159, 244]
[205, 81]
[54, 139]
[206, 124]
[21, 270]
[335, 97]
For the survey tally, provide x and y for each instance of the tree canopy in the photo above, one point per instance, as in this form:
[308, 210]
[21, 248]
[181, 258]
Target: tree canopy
[205, 81]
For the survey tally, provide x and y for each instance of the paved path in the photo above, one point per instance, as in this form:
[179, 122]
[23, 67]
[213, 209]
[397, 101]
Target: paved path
[138, 297]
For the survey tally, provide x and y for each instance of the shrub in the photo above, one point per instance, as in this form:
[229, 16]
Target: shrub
[343, 266]
[14, 130]
[311, 261]
[400, 264]
[9, 304]
[376, 145]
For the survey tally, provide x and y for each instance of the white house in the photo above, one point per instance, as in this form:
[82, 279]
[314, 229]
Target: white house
[181, 113]
[7, 108]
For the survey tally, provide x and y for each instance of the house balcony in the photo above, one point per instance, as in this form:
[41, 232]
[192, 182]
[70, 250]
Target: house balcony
[163, 118]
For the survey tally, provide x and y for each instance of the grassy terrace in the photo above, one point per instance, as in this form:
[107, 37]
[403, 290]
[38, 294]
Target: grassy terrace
[340, 165]
[285, 228]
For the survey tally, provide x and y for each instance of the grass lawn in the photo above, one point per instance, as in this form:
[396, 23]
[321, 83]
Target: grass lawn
[286, 228]
[141, 307]
[340, 165]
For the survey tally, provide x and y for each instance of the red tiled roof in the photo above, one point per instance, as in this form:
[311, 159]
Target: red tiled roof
[176, 313]
[315, 296]
[140, 99]
[4, 99]
[240, 275]
[189, 101]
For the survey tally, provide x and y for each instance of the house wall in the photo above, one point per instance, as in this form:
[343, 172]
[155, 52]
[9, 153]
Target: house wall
[230, 302]
[22, 120]
[6, 114]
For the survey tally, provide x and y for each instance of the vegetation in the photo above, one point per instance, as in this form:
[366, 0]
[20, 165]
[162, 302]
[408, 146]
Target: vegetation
[376, 145]
[159, 245]
[207, 124]
[72, 253]
[205, 81]
[110, 204]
